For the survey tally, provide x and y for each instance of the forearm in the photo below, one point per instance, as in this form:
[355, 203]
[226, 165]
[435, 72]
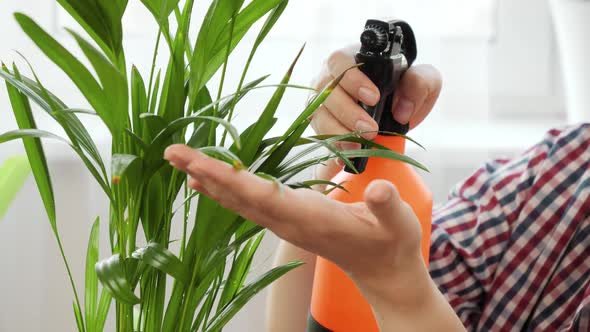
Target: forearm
[290, 296]
[410, 302]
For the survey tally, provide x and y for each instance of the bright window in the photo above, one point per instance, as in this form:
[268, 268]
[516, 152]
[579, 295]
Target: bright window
[497, 57]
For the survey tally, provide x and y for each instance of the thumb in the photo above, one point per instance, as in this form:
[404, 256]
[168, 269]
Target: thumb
[384, 201]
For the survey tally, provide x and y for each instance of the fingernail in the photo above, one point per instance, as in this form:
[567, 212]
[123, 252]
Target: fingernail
[348, 146]
[403, 111]
[195, 184]
[365, 126]
[368, 96]
[168, 153]
[379, 192]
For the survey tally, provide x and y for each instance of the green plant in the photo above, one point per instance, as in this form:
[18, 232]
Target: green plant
[13, 173]
[174, 107]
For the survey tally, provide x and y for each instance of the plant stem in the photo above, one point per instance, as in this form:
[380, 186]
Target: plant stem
[219, 91]
[135, 206]
[187, 207]
[69, 271]
[240, 84]
[154, 57]
[214, 296]
[187, 48]
[188, 296]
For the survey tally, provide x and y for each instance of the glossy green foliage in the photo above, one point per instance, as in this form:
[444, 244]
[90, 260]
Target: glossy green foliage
[145, 113]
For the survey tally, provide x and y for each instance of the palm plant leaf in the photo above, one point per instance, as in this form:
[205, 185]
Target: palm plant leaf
[13, 173]
[204, 65]
[161, 9]
[73, 127]
[162, 259]
[101, 19]
[266, 120]
[91, 293]
[79, 74]
[113, 276]
[36, 156]
[247, 293]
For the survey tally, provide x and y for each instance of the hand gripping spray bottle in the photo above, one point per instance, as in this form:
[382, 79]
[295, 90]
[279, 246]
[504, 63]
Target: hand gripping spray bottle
[388, 49]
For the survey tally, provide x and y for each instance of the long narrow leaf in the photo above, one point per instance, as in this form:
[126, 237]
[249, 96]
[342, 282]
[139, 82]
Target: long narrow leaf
[70, 65]
[292, 135]
[35, 133]
[78, 315]
[91, 293]
[154, 154]
[161, 9]
[35, 153]
[219, 255]
[112, 275]
[101, 20]
[223, 154]
[247, 293]
[56, 109]
[268, 25]
[255, 10]
[239, 270]
[288, 173]
[13, 174]
[266, 120]
[114, 84]
[218, 15]
[164, 260]
[119, 165]
[228, 126]
[280, 152]
[315, 103]
[78, 111]
[103, 308]
[139, 101]
[173, 97]
[204, 65]
[309, 184]
[153, 99]
[234, 277]
[386, 154]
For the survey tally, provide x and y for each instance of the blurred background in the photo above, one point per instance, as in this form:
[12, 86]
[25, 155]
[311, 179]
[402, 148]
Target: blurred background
[504, 86]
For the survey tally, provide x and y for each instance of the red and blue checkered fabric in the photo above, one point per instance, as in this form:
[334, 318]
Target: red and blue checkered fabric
[511, 247]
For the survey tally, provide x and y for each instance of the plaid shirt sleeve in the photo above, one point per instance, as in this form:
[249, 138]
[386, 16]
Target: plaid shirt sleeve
[508, 247]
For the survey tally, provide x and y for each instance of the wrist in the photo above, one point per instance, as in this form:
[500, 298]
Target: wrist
[407, 285]
[409, 300]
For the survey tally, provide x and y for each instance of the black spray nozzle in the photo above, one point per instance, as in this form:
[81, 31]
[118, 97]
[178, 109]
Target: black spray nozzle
[374, 39]
[389, 38]
[388, 48]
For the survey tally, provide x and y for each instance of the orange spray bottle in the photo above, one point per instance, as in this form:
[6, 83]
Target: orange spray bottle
[388, 49]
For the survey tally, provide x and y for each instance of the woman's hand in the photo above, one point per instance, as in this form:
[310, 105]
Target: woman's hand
[375, 241]
[340, 114]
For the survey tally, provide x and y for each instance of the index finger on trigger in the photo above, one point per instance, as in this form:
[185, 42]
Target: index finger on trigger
[355, 83]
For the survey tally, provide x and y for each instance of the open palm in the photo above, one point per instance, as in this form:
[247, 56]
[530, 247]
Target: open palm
[372, 238]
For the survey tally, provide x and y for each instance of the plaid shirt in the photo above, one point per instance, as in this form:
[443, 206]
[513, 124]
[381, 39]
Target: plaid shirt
[511, 248]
